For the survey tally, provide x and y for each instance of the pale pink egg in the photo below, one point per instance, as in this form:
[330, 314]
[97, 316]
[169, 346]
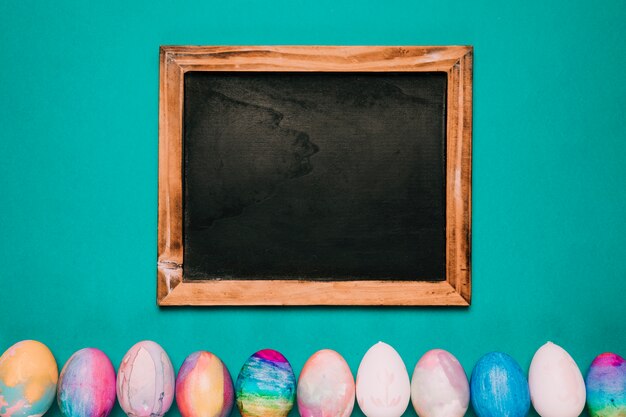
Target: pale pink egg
[439, 386]
[382, 383]
[326, 386]
[145, 381]
[557, 388]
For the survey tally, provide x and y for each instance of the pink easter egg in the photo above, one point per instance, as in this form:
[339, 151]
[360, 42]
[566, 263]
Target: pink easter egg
[439, 386]
[382, 383]
[204, 387]
[326, 386]
[557, 388]
[145, 381]
[86, 386]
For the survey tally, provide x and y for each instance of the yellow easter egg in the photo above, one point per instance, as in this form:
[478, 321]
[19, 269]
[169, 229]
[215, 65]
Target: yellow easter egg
[28, 379]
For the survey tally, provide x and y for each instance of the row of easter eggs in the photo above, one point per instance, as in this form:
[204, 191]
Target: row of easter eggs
[266, 387]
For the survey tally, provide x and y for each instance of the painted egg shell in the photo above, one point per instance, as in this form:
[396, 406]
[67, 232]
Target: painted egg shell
[606, 386]
[326, 386]
[145, 381]
[204, 387]
[28, 379]
[557, 388]
[498, 387]
[382, 383]
[87, 385]
[439, 386]
[266, 385]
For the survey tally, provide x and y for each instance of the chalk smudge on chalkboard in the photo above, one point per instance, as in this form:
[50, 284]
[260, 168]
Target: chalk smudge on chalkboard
[245, 172]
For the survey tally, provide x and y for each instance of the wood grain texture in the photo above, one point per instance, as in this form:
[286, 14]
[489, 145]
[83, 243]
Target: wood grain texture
[456, 61]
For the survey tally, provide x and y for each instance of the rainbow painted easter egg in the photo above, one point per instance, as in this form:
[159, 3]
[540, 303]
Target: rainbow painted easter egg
[439, 386]
[498, 387]
[326, 386]
[204, 387]
[145, 381]
[266, 385]
[28, 379]
[606, 386]
[87, 385]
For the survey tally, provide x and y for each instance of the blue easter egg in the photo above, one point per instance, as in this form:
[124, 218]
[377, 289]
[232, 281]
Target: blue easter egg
[499, 387]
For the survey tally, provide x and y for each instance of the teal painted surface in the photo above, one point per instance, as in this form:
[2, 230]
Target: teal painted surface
[78, 123]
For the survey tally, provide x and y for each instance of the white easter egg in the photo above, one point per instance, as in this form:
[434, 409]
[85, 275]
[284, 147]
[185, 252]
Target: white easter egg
[557, 388]
[382, 383]
[439, 386]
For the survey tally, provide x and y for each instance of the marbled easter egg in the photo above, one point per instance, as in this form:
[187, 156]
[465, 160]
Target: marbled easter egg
[204, 387]
[326, 386]
[266, 385]
[439, 386]
[498, 387]
[87, 385]
[606, 386]
[557, 388]
[145, 381]
[28, 379]
[382, 383]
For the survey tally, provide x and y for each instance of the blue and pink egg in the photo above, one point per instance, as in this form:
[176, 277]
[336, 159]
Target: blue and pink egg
[87, 385]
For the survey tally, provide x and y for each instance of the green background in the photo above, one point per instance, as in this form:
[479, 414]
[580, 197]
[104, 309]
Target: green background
[78, 142]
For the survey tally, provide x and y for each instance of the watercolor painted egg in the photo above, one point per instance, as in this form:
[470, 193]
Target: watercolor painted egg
[606, 386]
[382, 383]
[557, 388]
[326, 386]
[204, 387]
[498, 387]
[28, 379]
[145, 381]
[439, 386]
[266, 385]
[87, 385]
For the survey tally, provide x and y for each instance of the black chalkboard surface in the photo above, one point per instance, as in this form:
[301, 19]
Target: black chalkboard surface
[319, 176]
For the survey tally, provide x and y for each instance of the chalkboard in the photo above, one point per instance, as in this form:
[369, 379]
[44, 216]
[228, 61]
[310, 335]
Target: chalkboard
[331, 176]
[314, 175]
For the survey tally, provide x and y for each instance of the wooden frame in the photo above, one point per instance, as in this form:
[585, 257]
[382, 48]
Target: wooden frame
[456, 61]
